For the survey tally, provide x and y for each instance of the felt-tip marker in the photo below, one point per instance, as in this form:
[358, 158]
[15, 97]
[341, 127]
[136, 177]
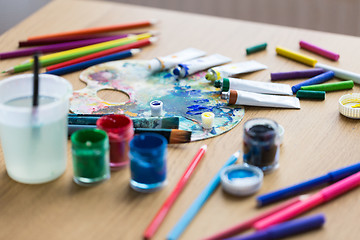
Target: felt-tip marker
[286, 229]
[302, 187]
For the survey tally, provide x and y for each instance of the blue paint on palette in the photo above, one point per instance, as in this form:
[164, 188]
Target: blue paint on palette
[186, 98]
[198, 109]
[201, 101]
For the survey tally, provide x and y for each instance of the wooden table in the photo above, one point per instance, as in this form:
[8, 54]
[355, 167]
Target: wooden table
[317, 138]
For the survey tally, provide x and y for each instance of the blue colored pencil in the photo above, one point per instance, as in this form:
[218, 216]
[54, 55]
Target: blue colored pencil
[302, 187]
[86, 64]
[199, 201]
[314, 80]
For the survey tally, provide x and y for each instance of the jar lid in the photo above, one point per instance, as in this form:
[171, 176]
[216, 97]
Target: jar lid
[241, 180]
[349, 105]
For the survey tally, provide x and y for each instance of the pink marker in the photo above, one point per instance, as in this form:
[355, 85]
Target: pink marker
[324, 195]
[318, 50]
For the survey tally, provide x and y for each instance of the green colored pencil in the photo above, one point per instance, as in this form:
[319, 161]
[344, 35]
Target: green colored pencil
[329, 87]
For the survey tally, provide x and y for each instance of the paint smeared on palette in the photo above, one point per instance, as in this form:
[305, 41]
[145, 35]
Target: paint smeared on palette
[186, 98]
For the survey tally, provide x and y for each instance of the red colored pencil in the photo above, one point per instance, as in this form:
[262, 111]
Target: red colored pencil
[159, 217]
[138, 44]
[250, 223]
[96, 30]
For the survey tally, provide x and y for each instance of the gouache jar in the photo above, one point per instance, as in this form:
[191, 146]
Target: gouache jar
[261, 144]
[148, 162]
[120, 132]
[90, 152]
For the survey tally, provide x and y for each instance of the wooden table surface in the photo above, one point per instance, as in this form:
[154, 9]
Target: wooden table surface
[317, 138]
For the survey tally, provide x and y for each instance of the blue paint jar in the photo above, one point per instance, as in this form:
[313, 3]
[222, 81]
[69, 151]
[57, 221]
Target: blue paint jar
[261, 144]
[148, 162]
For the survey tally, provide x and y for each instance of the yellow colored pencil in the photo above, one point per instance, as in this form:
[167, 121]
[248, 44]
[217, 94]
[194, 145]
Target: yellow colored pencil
[296, 56]
[77, 52]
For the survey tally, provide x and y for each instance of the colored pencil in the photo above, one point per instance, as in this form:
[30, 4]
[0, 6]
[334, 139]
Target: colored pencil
[77, 52]
[314, 80]
[58, 47]
[302, 187]
[341, 73]
[138, 122]
[296, 56]
[315, 49]
[286, 229]
[92, 62]
[248, 224]
[55, 40]
[199, 201]
[324, 195]
[161, 214]
[138, 44]
[96, 30]
[172, 135]
[330, 87]
[308, 73]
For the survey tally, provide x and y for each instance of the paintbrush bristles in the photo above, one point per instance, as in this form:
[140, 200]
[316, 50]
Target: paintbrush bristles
[180, 136]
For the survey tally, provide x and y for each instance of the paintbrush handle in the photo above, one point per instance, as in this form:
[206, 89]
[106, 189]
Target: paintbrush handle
[151, 122]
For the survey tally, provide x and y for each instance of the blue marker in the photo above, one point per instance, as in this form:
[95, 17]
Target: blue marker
[199, 201]
[302, 187]
[86, 64]
[286, 229]
[315, 80]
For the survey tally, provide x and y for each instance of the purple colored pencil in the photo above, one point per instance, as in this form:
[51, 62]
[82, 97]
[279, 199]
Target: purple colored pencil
[315, 80]
[320, 51]
[38, 42]
[286, 229]
[58, 47]
[309, 73]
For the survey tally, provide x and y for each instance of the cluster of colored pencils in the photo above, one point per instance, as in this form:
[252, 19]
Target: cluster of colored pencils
[75, 50]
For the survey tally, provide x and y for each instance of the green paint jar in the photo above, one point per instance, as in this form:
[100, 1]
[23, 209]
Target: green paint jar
[90, 152]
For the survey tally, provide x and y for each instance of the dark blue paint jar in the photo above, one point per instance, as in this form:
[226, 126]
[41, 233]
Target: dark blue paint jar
[148, 162]
[261, 144]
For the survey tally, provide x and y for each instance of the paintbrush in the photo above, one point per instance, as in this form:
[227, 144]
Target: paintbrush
[146, 122]
[171, 135]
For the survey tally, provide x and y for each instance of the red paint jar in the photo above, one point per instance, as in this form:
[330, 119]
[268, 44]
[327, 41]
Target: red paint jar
[120, 131]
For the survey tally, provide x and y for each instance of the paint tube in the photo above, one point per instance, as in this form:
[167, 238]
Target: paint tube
[253, 86]
[196, 65]
[232, 69]
[167, 62]
[237, 97]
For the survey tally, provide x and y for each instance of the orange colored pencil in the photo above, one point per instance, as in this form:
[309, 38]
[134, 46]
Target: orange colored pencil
[138, 44]
[95, 30]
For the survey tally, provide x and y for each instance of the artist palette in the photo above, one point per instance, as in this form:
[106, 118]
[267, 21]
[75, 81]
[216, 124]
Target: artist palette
[186, 98]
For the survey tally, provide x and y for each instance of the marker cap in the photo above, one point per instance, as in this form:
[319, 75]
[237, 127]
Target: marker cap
[241, 180]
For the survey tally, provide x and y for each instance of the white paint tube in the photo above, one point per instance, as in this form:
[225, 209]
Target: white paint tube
[232, 69]
[237, 97]
[341, 73]
[253, 86]
[199, 64]
[167, 62]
